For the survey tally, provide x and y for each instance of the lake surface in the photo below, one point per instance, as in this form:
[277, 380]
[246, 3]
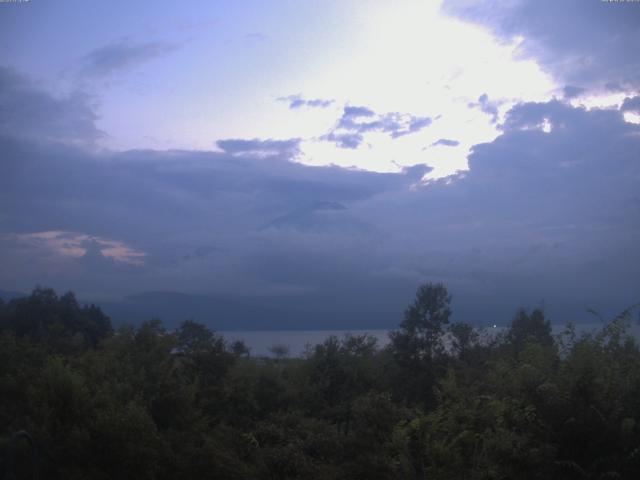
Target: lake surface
[259, 342]
[296, 341]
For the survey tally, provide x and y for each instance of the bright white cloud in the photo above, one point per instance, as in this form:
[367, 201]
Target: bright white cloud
[411, 58]
[406, 57]
[632, 117]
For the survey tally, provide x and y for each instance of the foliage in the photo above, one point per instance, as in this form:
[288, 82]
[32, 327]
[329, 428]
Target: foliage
[417, 347]
[438, 402]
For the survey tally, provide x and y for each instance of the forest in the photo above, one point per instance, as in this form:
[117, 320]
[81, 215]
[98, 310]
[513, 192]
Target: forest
[80, 399]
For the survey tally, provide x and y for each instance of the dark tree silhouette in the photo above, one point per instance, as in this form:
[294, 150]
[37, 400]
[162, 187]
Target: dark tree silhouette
[418, 343]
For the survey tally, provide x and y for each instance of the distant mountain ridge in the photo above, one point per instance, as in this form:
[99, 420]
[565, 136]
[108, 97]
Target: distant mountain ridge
[318, 217]
[230, 313]
[222, 313]
[7, 295]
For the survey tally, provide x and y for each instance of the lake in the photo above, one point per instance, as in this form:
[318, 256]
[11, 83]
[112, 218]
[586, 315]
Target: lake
[296, 341]
[259, 342]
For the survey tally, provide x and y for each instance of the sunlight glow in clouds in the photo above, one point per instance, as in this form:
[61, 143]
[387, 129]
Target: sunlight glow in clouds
[632, 117]
[413, 60]
[599, 100]
[140, 156]
[404, 58]
[77, 245]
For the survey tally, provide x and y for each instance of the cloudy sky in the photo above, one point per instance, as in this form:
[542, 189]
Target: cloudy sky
[324, 152]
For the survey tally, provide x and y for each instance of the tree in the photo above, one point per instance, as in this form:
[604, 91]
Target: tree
[424, 319]
[58, 321]
[463, 338]
[419, 340]
[205, 360]
[279, 350]
[527, 328]
[240, 349]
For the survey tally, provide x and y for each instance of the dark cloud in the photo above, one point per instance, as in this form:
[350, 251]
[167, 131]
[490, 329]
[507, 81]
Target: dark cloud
[585, 152]
[487, 106]
[27, 111]
[120, 56]
[260, 148]
[541, 209]
[94, 259]
[350, 113]
[613, 87]
[201, 252]
[415, 125]
[631, 104]
[581, 42]
[446, 142]
[345, 140]
[571, 91]
[296, 101]
[356, 121]
[551, 216]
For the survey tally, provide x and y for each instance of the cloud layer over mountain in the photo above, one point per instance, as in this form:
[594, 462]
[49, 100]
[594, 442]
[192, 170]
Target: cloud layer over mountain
[548, 213]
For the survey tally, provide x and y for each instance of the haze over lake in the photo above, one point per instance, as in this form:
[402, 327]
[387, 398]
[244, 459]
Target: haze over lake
[297, 342]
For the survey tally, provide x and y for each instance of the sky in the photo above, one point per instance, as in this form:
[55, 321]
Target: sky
[324, 152]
